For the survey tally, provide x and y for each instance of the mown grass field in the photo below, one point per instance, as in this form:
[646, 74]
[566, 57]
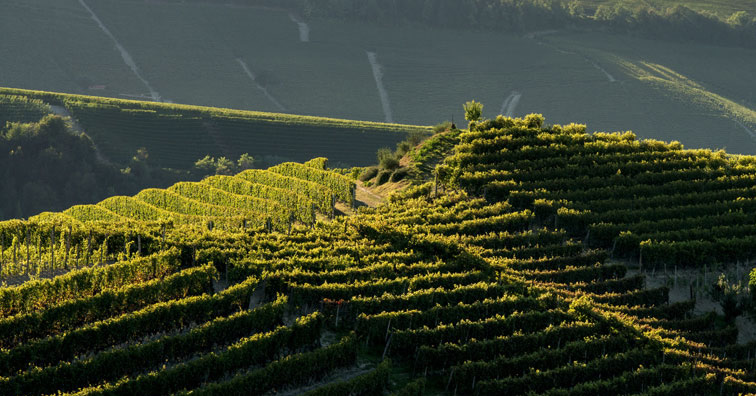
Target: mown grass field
[190, 53]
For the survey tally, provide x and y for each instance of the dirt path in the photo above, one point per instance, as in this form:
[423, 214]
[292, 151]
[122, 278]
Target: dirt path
[304, 28]
[127, 59]
[510, 104]
[750, 133]
[367, 197]
[378, 76]
[264, 90]
[601, 69]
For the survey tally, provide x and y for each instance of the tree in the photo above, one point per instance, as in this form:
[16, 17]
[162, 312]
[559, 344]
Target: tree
[205, 166]
[473, 110]
[245, 162]
[224, 166]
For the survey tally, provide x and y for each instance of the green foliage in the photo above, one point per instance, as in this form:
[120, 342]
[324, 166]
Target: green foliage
[369, 173]
[473, 110]
[382, 177]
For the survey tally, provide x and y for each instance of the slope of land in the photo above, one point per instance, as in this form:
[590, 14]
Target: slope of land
[190, 52]
[178, 135]
[500, 285]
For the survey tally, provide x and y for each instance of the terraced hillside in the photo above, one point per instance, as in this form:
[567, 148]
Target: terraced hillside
[466, 287]
[176, 135]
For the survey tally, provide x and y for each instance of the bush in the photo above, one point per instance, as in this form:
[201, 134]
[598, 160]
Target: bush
[473, 110]
[444, 126]
[368, 173]
[731, 296]
[403, 148]
[383, 177]
[389, 163]
[399, 175]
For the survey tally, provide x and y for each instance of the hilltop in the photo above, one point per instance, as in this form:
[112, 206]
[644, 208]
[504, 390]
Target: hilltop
[513, 272]
[664, 72]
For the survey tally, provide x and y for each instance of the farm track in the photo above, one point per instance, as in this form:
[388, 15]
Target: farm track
[378, 76]
[127, 58]
[264, 90]
[510, 104]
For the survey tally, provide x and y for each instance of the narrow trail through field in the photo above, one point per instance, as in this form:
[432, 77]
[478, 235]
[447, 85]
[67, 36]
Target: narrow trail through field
[510, 104]
[260, 87]
[601, 69]
[536, 36]
[304, 28]
[378, 75]
[124, 54]
[748, 130]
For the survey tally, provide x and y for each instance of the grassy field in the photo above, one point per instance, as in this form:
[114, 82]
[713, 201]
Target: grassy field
[193, 53]
[176, 136]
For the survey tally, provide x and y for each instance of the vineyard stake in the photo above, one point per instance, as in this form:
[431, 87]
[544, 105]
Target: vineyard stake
[52, 248]
[139, 244]
[89, 247]
[28, 255]
[388, 343]
[68, 247]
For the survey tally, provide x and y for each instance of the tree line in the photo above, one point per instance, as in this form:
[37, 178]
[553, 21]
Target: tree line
[676, 22]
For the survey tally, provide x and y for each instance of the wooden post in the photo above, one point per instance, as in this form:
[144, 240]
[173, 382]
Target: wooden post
[139, 244]
[435, 185]
[291, 221]
[354, 196]
[68, 246]
[268, 225]
[39, 250]
[313, 216]
[52, 248]
[333, 206]
[89, 247]
[28, 254]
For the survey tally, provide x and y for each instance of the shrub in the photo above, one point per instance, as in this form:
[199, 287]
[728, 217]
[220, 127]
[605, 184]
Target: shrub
[444, 126]
[383, 177]
[473, 110]
[389, 163]
[368, 173]
[403, 148]
[399, 175]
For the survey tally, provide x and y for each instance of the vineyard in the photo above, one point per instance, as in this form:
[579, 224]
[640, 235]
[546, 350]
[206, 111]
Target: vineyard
[121, 127]
[507, 275]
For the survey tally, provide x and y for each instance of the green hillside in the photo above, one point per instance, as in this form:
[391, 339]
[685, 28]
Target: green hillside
[176, 136]
[254, 58]
[495, 280]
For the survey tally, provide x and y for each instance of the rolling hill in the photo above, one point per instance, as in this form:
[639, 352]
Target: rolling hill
[514, 274]
[178, 135]
[268, 59]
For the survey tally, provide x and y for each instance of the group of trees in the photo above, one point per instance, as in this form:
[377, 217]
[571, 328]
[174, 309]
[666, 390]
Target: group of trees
[675, 21]
[208, 165]
[47, 166]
